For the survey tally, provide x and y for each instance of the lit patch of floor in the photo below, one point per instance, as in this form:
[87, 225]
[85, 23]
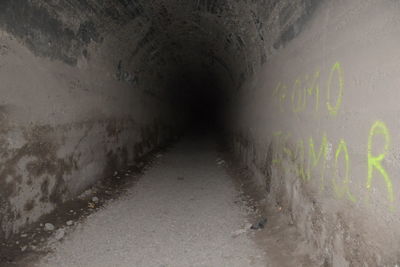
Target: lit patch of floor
[183, 212]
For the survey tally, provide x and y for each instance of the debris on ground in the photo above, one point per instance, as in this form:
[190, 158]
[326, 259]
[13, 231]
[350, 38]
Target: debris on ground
[162, 185]
[180, 178]
[259, 225]
[86, 193]
[48, 227]
[238, 232]
[33, 240]
[242, 230]
[59, 234]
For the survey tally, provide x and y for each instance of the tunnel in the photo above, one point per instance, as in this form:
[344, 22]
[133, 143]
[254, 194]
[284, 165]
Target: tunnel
[199, 133]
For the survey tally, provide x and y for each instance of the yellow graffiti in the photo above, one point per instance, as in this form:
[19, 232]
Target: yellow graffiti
[375, 162]
[344, 188]
[283, 141]
[335, 69]
[309, 86]
[301, 97]
[314, 89]
[282, 98]
[276, 90]
[307, 165]
[280, 92]
[288, 152]
[314, 159]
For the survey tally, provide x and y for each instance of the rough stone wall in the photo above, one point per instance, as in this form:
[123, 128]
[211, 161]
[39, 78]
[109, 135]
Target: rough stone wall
[317, 124]
[83, 88]
[312, 86]
[74, 105]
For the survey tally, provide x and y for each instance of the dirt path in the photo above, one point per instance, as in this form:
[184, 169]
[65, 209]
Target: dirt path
[182, 212]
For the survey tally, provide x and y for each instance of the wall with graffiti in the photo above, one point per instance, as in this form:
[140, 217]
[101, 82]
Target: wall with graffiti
[305, 94]
[327, 149]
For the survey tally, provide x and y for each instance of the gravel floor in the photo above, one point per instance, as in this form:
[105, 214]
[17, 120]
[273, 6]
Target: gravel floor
[182, 212]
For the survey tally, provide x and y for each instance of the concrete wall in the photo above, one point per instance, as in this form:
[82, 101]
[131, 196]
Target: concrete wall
[83, 86]
[318, 125]
[311, 86]
[74, 104]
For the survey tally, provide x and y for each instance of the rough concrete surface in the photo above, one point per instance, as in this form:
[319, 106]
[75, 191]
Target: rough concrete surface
[183, 212]
[311, 86]
[63, 128]
[319, 128]
[85, 83]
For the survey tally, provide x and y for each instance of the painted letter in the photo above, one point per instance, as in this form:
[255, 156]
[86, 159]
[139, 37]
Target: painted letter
[314, 89]
[344, 188]
[338, 69]
[298, 97]
[375, 162]
[314, 159]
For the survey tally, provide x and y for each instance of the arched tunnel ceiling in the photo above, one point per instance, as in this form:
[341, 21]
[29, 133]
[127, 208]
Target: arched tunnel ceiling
[194, 34]
[109, 62]
[92, 86]
[232, 37]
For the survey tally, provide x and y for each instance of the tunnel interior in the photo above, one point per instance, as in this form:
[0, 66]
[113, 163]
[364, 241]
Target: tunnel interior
[123, 78]
[304, 93]
[197, 59]
[198, 98]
